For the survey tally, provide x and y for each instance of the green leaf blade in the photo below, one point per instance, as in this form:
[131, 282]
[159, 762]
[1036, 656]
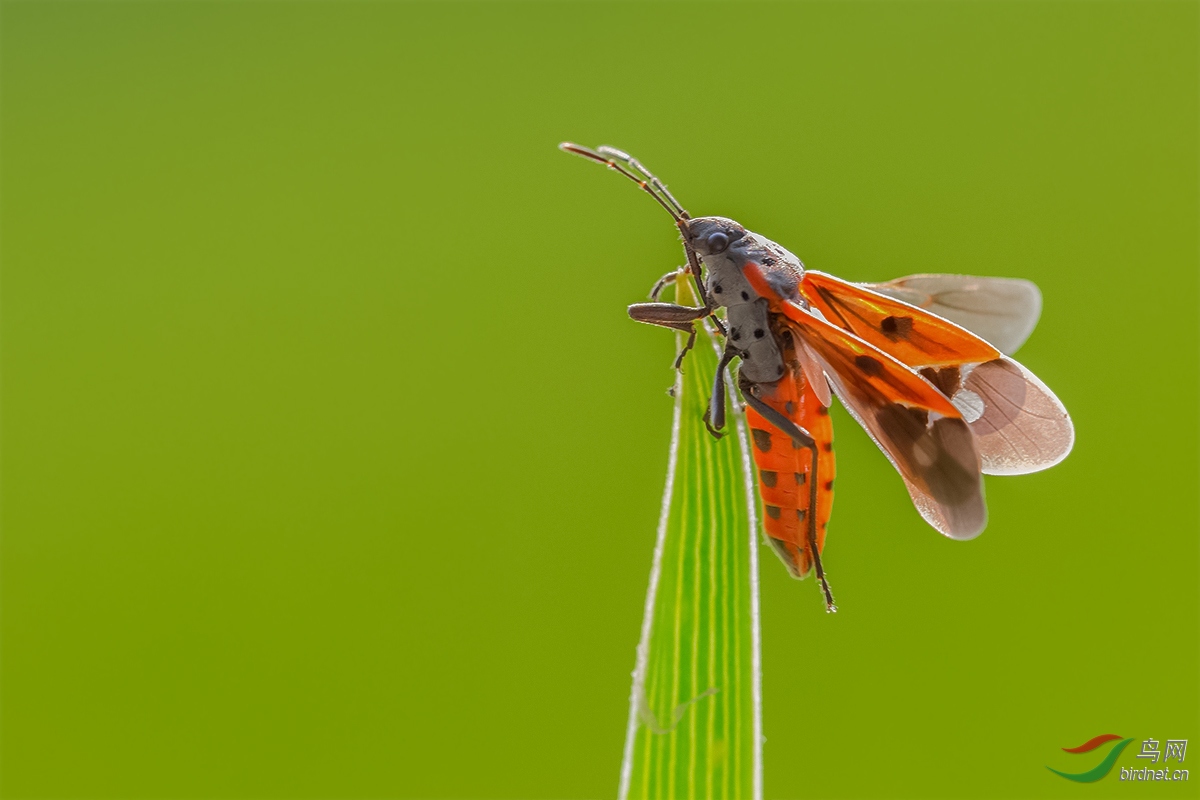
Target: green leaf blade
[695, 715]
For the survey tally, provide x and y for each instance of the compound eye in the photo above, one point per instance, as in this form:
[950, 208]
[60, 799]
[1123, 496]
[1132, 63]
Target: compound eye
[717, 242]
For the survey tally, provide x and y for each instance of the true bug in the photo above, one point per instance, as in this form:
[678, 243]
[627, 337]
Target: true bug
[920, 362]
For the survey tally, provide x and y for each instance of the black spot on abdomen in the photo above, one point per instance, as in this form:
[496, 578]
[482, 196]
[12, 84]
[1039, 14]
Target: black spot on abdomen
[768, 478]
[762, 440]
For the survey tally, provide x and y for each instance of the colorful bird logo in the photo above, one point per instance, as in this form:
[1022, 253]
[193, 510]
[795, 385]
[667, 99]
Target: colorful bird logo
[1104, 767]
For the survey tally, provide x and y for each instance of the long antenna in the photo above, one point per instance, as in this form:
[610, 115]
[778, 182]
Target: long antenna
[621, 155]
[609, 156]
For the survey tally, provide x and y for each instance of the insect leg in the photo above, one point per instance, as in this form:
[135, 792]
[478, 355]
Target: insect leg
[669, 315]
[714, 415]
[802, 438]
[816, 554]
[687, 346]
[673, 275]
[701, 292]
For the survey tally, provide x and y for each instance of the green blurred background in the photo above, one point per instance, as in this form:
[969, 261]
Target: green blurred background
[331, 462]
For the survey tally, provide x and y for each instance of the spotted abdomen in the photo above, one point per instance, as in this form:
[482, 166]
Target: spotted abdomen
[787, 480]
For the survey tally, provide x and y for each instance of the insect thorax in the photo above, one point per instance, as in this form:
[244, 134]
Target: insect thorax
[748, 314]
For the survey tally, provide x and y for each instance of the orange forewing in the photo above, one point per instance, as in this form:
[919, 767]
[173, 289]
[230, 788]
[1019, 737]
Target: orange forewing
[853, 358]
[914, 337]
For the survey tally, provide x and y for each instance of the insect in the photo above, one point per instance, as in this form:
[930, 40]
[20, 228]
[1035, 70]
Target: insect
[920, 362]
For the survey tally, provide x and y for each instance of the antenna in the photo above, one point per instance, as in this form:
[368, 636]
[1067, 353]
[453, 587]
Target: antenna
[609, 156]
[634, 163]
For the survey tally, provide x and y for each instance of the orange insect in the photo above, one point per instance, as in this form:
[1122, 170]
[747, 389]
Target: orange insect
[919, 362]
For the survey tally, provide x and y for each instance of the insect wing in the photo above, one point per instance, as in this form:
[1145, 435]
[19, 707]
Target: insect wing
[1004, 311]
[915, 425]
[913, 336]
[811, 370]
[1020, 425]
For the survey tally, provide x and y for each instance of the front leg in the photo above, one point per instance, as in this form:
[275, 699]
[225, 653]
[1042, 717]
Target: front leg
[674, 276]
[671, 277]
[669, 315]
